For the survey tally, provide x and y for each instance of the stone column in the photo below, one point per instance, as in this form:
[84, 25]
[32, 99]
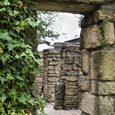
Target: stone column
[98, 39]
[70, 73]
[51, 72]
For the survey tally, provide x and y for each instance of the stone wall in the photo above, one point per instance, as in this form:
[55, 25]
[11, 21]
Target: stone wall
[98, 51]
[98, 61]
[62, 64]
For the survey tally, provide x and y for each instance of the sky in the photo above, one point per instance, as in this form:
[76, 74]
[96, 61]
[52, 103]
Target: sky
[67, 25]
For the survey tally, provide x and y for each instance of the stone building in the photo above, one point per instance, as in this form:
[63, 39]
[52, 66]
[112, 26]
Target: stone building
[98, 51]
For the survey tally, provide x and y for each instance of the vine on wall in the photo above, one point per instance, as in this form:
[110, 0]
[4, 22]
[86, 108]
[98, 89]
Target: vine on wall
[18, 62]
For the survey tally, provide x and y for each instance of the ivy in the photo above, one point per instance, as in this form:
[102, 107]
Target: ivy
[18, 58]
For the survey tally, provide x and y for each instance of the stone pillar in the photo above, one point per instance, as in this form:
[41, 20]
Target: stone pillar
[70, 73]
[51, 72]
[98, 39]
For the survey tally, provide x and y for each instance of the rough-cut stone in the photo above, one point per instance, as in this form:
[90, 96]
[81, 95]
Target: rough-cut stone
[88, 103]
[91, 37]
[97, 105]
[103, 65]
[85, 61]
[84, 83]
[103, 88]
[72, 79]
[73, 92]
[77, 6]
[65, 6]
[104, 14]
[98, 35]
[108, 32]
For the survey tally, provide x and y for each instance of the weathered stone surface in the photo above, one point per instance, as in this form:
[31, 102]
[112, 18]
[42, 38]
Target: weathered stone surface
[66, 68]
[98, 35]
[103, 88]
[107, 12]
[72, 102]
[105, 105]
[100, 105]
[71, 84]
[85, 61]
[88, 103]
[84, 83]
[68, 60]
[103, 65]
[108, 32]
[73, 92]
[59, 95]
[77, 6]
[64, 6]
[91, 37]
[72, 78]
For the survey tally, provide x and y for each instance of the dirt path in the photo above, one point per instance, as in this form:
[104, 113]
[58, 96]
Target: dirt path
[49, 109]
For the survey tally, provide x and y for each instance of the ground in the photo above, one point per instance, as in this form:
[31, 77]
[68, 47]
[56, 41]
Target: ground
[49, 109]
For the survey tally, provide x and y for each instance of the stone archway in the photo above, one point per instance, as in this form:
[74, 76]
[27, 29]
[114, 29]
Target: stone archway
[98, 50]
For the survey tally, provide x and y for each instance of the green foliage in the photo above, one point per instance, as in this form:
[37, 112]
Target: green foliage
[45, 21]
[18, 58]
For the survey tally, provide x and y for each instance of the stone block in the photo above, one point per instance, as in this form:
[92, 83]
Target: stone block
[97, 105]
[91, 37]
[71, 84]
[107, 12]
[67, 67]
[59, 102]
[71, 102]
[51, 71]
[84, 83]
[87, 104]
[60, 86]
[106, 105]
[71, 54]
[75, 67]
[103, 88]
[69, 73]
[98, 35]
[76, 97]
[103, 64]
[72, 92]
[53, 63]
[52, 75]
[72, 78]
[70, 107]
[85, 61]
[108, 32]
[52, 79]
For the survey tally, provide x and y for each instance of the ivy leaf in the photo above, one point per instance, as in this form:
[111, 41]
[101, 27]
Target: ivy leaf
[2, 80]
[3, 98]
[4, 58]
[6, 3]
[5, 35]
[22, 99]
[9, 77]
[12, 92]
